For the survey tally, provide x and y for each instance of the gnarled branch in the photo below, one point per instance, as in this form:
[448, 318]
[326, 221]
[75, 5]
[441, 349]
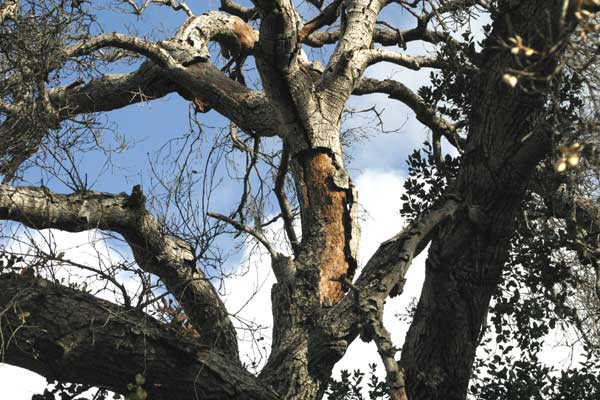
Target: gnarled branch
[383, 276]
[68, 335]
[168, 257]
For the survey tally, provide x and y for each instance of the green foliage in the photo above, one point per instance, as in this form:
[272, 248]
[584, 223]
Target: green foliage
[532, 300]
[350, 386]
[448, 93]
[425, 183]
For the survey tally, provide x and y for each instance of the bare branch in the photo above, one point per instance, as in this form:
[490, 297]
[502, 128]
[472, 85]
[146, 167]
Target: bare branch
[343, 69]
[286, 210]
[328, 16]
[181, 65]
[245, 228]
[151, 50]
[171, 3]
[373, 56]
[385, 37]
[387, 351]
[245, 13]
[383, 275]
[111, 92]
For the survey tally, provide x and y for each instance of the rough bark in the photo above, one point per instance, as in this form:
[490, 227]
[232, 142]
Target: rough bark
[65, 334]
[466, 257]
[168, 257]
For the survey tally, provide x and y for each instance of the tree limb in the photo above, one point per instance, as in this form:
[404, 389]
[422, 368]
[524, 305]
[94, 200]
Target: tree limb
[284, 205]
[385, 37]
[68, 335]
[343, 69]
[387, 351]
[328, 16]
[182, 67]
[398, 91]
[148, 49]
[383, 275]
[245, 13]
[245, 228]
[374, 56]
[168, 257]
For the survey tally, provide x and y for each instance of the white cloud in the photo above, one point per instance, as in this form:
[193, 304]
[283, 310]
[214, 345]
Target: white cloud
[379, 194]
[248, 299]
[19, 384]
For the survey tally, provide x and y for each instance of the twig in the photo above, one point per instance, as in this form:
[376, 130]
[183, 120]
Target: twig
[286, 211]
[245, 228]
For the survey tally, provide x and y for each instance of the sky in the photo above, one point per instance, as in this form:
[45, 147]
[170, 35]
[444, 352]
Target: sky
[377, 167]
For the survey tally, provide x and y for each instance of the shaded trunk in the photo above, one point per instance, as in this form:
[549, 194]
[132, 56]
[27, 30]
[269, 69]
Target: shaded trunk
[75, 337]
[463, 269]
[508, 136]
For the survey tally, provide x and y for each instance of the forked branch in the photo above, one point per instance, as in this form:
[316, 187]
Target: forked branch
[384, 273]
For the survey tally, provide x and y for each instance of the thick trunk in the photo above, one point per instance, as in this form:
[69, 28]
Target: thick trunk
[326, 202]
[462, 271]
[288, 370]
[466, 258]
[308, 287]
[463, 268]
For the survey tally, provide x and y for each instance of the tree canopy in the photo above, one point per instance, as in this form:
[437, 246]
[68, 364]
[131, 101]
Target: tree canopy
[503, 193]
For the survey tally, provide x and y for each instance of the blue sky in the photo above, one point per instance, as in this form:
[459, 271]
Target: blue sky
[148, 126]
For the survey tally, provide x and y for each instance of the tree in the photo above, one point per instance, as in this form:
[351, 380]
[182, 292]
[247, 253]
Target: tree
[504, 209]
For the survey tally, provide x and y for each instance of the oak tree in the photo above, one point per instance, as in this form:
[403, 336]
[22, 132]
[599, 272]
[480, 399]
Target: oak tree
[504, 194]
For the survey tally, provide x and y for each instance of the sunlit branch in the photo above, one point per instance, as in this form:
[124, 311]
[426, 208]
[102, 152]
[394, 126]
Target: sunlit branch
[373, 56]
[171, 3]
[170, 258]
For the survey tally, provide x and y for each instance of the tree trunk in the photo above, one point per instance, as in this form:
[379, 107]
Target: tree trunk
[466, 258]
